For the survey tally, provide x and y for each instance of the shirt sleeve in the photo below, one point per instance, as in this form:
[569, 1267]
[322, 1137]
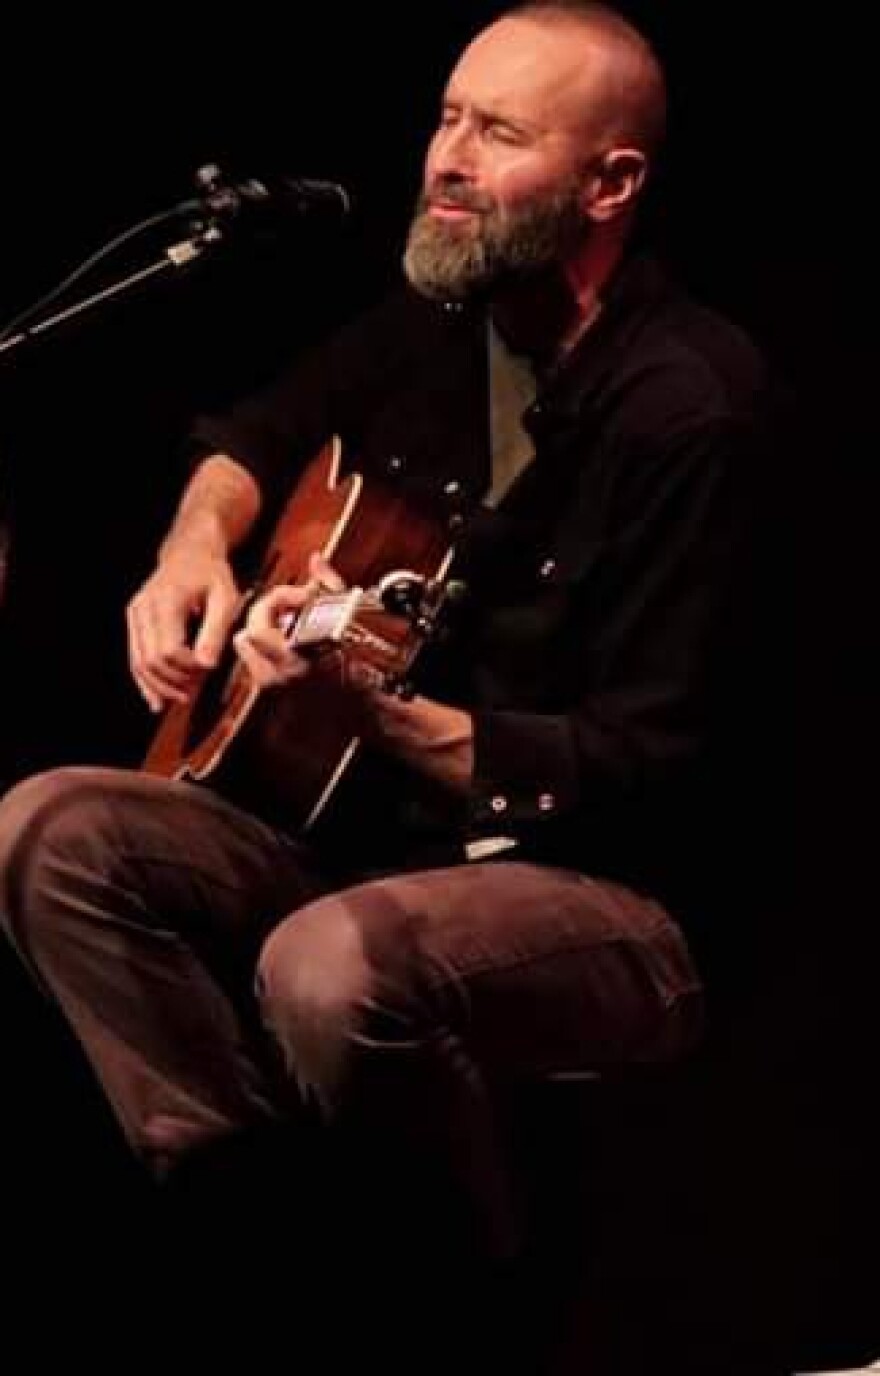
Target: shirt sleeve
[272, 432]
[275, 431]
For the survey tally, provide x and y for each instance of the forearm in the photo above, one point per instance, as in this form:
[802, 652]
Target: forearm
[218, 508]
[430, 736]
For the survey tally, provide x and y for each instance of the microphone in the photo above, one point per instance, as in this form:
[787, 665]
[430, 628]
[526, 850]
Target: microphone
[279, 195]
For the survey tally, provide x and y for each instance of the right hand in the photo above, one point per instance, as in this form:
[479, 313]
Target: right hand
[184, 585]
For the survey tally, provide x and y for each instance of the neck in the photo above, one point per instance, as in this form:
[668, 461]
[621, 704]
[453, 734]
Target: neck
[544, 316]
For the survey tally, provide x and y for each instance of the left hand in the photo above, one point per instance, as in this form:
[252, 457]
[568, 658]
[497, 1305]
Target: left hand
[263, 644]
[433, 737]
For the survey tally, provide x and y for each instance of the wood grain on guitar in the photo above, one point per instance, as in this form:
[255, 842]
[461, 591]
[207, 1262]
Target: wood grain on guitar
[289, 747]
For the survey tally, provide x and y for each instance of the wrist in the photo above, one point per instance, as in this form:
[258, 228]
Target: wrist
[200, 534]
[431, 736]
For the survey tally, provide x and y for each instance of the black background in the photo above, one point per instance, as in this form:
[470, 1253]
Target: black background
[765, 207]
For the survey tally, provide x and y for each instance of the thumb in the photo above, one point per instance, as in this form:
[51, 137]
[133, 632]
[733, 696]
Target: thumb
[219, 614]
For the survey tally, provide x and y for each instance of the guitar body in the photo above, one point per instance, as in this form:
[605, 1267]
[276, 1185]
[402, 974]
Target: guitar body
[283, 751]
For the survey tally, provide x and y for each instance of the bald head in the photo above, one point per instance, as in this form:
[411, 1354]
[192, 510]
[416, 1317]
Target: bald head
[626, 93]
[546, 130]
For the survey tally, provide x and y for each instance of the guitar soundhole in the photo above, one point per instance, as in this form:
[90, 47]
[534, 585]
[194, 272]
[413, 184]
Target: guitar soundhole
[213, 699]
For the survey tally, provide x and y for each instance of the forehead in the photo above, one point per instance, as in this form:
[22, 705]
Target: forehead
[545, 73]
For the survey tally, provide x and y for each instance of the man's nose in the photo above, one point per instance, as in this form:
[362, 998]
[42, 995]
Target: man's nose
[454, 154]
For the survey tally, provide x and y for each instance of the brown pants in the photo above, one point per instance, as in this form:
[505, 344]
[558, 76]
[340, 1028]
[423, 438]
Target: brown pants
[212, 980]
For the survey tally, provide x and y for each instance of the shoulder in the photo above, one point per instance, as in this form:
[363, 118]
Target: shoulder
[688, 367]
[691, 398]
[700, 368]
[695, 404]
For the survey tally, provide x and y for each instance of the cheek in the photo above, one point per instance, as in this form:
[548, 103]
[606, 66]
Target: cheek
[517, 186]
[524, 176]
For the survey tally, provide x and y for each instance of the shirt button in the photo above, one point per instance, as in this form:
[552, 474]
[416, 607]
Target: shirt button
[546, 802]
[547, 569]
[452, 488]
[456, 522]
[396, 464]
[498, 803]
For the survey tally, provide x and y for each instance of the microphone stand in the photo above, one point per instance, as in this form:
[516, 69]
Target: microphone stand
[177, 256]
[215, 207]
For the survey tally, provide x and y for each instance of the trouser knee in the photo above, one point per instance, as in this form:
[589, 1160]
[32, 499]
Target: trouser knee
[314, 982]
[57, 830]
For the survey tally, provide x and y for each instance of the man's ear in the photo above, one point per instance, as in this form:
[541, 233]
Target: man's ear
[615, 185]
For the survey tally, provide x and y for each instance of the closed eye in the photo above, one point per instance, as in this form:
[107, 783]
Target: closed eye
[505, 133]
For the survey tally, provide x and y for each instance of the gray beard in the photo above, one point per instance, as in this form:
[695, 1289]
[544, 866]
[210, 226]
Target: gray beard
[474, 258]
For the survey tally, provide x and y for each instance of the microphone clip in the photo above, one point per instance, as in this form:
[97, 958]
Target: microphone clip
[217, 199]
[221, 202]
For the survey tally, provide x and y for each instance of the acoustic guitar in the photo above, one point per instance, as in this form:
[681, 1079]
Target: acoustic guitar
[288, 748]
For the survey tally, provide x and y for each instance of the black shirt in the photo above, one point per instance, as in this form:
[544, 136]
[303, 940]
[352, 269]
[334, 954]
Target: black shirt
[622, 646]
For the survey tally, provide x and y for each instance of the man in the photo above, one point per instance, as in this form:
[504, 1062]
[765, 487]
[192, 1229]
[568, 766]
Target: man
[536, 859]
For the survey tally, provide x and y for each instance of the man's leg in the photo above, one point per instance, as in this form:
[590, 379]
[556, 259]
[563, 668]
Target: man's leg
[406, 1001]
[140, 905]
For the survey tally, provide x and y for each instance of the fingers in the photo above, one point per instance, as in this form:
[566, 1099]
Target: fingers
[268, 657]
[163, 671]
[263, 645]
[270, 612]
[147, 689]
[165, 668]
[163, 665]
[221, 609]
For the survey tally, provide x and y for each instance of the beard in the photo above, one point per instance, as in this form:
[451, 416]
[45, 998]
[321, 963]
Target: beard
[496, 248]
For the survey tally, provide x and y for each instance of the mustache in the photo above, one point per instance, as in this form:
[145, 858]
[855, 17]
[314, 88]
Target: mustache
[453, 194]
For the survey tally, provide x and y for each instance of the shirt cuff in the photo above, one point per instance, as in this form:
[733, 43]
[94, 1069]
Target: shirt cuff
[265, 456]
[525, 770]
